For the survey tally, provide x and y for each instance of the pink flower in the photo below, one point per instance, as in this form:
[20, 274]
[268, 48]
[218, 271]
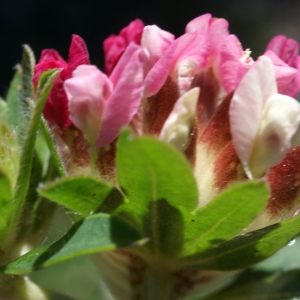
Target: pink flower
[56, 109]
[100, 106]
[287, 50]
[235, 62]
[115, 45]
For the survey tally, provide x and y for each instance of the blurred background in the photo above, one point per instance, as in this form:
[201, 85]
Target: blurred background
[49, 24]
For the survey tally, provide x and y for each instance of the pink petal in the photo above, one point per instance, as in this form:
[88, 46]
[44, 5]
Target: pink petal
[113, 49]
[232, 68]
[191, 61]
[117, 73]
[133, 31]
[123, 102]
[284, 73]
[296, 88]
[87, 92]
[50, 59]
[247, 105]
[158, 74]
[199, 23]
[154, 43]
[189, 49]
[78, 54]
[286, 49]
[56, 108]
[218, 31]
[215, 27]
[115, 45]
[52, 55]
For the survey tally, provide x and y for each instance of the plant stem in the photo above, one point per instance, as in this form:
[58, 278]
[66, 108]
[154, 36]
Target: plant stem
[158, 283]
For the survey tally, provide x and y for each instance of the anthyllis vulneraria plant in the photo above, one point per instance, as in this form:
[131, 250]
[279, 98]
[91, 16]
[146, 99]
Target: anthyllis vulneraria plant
[179, 166]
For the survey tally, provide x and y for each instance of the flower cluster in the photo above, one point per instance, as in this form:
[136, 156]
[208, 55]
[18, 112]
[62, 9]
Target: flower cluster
[233, 117]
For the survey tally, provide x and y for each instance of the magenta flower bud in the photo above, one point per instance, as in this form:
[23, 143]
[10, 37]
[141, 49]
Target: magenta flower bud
[287, 50]
[115, 45]
[56, 109]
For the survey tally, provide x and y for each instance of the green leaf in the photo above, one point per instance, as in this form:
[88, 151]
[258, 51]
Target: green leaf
[265, 286]
[79, 278]
[225, 216]
[287, 258]
[45, 84]
[28, 63]
[3, 110]
[248, 249]
[9, 153]
[160, 189]
[97, 233]
[45, 146]
[42, 152]
[6, 204]
[47, 135]
[20, 90]
[15, 101]
[82, 194]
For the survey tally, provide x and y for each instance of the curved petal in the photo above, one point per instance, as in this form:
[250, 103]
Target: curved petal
[280, 121]
[52, 55]
[233, 64]
[191, 61]
[218, 31]
[78, 54]
[286, 49]
[123, 102]
[177, 127]
[115, 45]
[133, 31]
[86, 92]
[284, 73]
[184, 58]
[117, 73]
[154, 43]
[199, 23]
[247, 106]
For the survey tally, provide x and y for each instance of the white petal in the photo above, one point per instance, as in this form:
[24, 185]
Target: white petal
[247, 106]
[177, 127]
[280, 121]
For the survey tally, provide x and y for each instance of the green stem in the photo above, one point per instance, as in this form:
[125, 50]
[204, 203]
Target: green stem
[158, 284]
[23, 179]
[53, 150]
